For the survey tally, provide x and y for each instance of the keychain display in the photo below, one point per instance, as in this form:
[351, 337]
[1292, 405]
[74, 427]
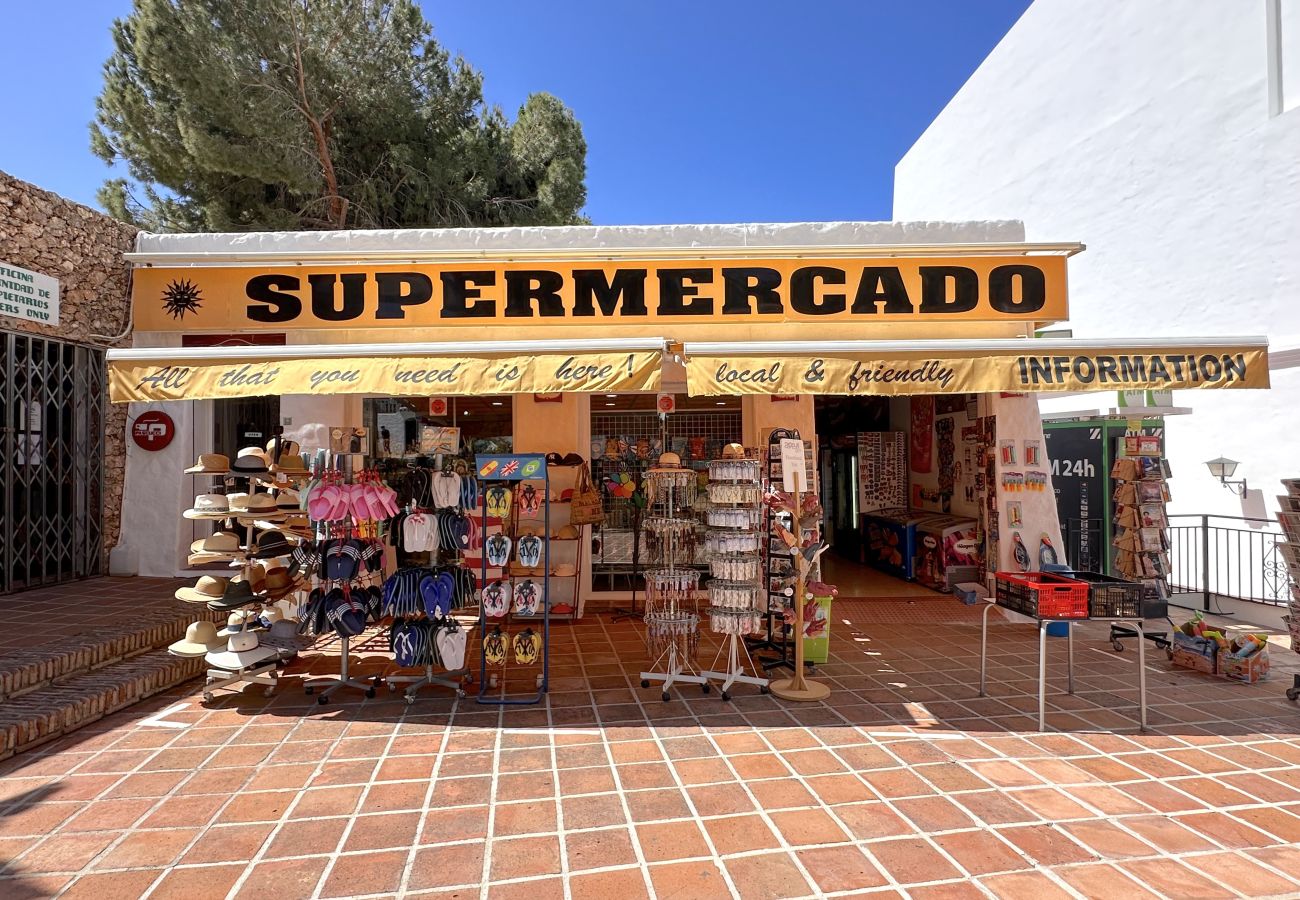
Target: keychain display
[742, 470]
[737, 593]
[747, 494]
[725, 542]
[735, 566]
[740, 517]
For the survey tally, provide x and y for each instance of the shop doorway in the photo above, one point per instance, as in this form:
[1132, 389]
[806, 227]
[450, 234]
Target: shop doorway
[52, 408]
[896, 487]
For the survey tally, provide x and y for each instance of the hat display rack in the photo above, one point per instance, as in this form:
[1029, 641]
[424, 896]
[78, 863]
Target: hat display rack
[518, 485]
[671, 613]
[345, 504]
[257, 638]
[737, 597]
[421, 598]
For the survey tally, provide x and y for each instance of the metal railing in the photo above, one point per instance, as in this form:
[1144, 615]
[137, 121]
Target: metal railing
[1233, 557]
[1213, 557]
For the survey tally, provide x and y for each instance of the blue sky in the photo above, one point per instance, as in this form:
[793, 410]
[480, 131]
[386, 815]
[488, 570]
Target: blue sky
[715, 111]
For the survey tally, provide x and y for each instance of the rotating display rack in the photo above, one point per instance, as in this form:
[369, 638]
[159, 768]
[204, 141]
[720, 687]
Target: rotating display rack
[672, 615]
[737, 598]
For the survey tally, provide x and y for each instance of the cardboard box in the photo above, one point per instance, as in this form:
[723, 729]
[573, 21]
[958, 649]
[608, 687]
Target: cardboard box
[1251, 669]
[1198, 654]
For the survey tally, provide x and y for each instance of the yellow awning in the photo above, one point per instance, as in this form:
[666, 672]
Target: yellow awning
[464, 368]
[896, 368]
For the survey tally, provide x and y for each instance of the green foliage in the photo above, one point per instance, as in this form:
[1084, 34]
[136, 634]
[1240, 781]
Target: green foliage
[252, 115]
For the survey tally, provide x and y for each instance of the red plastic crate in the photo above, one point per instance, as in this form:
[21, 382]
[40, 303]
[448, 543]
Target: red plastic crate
[1043, 595]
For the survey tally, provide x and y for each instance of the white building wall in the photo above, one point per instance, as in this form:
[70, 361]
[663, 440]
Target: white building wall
[1144, 130]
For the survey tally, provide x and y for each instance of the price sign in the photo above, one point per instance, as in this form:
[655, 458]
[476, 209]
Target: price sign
[794, 467]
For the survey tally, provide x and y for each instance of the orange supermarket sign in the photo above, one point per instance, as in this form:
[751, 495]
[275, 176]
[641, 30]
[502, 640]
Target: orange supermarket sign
[677, 293]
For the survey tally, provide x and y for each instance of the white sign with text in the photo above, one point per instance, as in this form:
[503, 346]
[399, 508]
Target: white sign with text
[28, 295]
[794, 467]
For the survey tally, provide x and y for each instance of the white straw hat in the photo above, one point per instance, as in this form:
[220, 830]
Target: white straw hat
[200, 638]
[208, 506]
[242, 650]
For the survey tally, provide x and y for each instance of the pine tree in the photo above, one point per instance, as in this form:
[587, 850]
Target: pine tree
[249, 115]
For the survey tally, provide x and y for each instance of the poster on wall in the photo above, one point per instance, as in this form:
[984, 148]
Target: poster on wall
[922, 441]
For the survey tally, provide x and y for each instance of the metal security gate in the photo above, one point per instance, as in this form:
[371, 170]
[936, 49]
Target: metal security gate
[52, 407]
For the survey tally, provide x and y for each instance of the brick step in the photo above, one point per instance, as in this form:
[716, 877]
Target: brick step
[25, 670]
[48, 712]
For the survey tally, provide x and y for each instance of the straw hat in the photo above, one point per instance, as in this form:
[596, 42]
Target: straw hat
[218, 547]
[567, 533]
[205, 590]
[733, 451]
[255, 506]
[251, 461]
[239, 620]
[669, 460]
[242, 651]
[210, 464]
[564, 570]
[200, 638]
[278, 583]
[209, 506]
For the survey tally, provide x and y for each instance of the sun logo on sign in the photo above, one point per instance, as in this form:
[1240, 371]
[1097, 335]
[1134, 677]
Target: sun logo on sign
[181, 297]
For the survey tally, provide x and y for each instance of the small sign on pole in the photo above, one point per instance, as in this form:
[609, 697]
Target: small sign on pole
[794, 467]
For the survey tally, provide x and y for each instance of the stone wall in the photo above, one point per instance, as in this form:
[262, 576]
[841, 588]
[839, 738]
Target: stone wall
[83, 249]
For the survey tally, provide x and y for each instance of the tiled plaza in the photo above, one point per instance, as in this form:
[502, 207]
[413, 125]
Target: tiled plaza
[904, 783]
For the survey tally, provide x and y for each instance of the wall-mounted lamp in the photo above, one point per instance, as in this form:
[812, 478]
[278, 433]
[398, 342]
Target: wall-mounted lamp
[1223, 469]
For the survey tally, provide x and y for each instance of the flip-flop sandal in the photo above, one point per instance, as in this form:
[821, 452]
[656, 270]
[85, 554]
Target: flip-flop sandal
[320, 503]
[496, 599]
[494, 648]
[525, 645]
[498, 550]
[530, 501]
[450, 642]
[530, 551]
[525, 600]
[497, 500]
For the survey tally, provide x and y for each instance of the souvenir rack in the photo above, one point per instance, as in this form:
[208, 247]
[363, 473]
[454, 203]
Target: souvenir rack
[671, 611]
[737, 596]
[514, 472]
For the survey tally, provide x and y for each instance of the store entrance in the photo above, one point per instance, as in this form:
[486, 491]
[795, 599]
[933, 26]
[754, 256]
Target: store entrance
[897, 486]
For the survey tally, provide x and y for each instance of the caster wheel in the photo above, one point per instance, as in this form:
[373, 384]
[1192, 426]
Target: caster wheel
[309, 691]
[664, 696]
[1293, 694]
[410, 701]
[370, 693]
[726, 695]
[645, 682]
[539, 681]
[460, 695]
[207, 697]
[764, 689]
[322, 700]
[706, 688]
[392, 689]
[1119, 648]
[492, 682]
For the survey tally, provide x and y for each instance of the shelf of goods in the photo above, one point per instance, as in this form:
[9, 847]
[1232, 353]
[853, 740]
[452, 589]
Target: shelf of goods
[737, 596]
[779, 572]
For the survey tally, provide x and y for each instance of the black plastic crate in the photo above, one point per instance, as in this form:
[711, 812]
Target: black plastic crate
[1112, 598]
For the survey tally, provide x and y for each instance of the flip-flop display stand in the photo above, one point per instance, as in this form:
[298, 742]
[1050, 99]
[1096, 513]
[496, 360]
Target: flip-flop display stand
[518, 590]
[672, 614]
[737, 596]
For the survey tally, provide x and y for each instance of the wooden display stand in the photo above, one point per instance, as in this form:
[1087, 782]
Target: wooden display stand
[797, 687]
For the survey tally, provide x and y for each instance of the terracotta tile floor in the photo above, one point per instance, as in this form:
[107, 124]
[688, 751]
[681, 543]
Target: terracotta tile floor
[905, 783]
